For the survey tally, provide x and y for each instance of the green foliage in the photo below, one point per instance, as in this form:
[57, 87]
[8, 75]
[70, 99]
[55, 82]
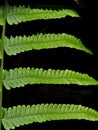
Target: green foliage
[19, 77]
[22, 76]
[21, 115]
[19, 44]
[20, 14]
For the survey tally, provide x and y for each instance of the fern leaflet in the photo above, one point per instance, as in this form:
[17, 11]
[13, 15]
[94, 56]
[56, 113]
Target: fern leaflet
[20, 14]
[24, 115]
[21, 76]
[42, 41]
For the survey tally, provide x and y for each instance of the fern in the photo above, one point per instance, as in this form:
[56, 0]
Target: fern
[20, 14]
[19, 44]
[21, 115]
[20, 77]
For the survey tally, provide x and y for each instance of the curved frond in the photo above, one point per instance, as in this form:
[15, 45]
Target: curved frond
[20, 14]
[20, 44]
[21, 76]
[24, 115]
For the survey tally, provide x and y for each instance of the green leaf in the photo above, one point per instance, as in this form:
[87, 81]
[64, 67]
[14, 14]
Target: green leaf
[20, 14]
[24, 115]
[20, 44]
[22, 76]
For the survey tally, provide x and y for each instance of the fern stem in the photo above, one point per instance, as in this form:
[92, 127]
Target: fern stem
[2, 61]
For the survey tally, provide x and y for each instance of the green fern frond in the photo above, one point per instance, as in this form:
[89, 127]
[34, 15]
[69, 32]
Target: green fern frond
[21, 76]
[20, 14]
[24, 115]
[42, 41]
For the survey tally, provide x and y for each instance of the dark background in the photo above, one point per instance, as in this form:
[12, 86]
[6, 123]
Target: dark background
[84, 28]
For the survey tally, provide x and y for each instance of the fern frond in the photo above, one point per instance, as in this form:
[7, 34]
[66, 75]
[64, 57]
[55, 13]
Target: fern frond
[20, 14]
[42, 41]
[21, 76]
[24, 115]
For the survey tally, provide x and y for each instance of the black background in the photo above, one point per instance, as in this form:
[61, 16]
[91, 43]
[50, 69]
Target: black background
[84, 28]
